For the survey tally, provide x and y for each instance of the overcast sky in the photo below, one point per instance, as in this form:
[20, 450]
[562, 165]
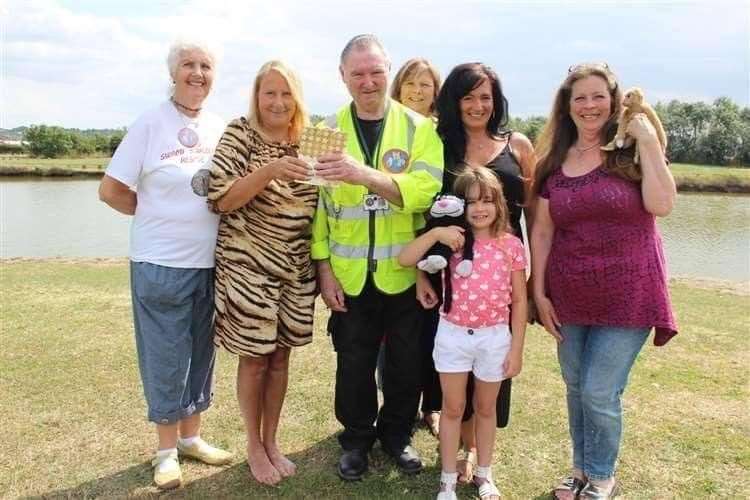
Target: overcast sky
[100, 63]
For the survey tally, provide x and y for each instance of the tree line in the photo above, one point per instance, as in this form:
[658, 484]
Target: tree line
[697, 132]
[44, 141]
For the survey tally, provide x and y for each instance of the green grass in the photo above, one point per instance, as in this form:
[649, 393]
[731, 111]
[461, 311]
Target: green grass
[711, 178]
[74, 426]
[52, 167]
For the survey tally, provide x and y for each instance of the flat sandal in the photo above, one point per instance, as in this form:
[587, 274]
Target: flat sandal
[571, 484]
[594, 492]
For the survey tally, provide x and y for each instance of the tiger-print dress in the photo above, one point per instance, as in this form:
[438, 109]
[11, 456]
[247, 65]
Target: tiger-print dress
[265, 279]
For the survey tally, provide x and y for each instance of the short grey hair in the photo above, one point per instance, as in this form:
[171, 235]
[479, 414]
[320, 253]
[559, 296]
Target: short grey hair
[184, 44]
[363, 42]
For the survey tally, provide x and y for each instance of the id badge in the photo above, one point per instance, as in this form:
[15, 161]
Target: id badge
[374, 202]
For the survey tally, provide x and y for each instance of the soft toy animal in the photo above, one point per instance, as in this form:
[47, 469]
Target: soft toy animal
[632, 103]
[448, 210]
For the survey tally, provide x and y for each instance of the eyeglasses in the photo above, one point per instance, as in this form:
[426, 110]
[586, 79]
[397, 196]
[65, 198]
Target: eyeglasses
[593, 65]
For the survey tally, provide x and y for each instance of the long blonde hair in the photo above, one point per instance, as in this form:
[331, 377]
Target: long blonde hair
[300, 118]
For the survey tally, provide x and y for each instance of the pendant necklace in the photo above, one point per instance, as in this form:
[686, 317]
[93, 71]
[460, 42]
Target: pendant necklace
[186, 135]
[580, 151]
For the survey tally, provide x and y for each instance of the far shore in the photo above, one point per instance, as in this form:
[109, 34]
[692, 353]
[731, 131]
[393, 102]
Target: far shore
[724, 286]
[689, 178]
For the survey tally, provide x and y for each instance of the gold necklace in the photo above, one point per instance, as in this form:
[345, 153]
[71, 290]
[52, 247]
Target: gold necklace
[580, 151]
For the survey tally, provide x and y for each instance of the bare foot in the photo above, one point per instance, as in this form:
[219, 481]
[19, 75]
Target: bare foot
[285, 466]
[261, 467]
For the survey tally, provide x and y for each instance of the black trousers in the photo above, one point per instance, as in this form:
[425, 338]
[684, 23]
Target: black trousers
[356, 336]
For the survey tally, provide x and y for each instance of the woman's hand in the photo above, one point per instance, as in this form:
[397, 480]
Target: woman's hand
[513, 363]
[289, 168]
[425, 293]
[548, 317]
[450, 236]
[641, 129]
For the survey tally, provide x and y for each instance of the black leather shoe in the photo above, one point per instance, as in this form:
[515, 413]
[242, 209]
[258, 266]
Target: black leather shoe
[407, 459]
[352, 465]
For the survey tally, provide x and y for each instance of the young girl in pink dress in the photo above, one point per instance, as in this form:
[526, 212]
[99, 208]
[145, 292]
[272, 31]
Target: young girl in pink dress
[474, 335]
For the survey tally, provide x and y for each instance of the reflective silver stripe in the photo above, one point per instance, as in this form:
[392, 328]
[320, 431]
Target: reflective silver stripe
[360, 252]
[354, 213]
[433, 171]
[410, 128]
[331, 121]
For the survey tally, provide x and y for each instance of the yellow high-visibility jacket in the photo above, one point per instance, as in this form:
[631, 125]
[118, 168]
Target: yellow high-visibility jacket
[358, 241]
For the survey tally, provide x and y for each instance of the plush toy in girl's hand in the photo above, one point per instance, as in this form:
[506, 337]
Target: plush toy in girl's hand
[448, 210]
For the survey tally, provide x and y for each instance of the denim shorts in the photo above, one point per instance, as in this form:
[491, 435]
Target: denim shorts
[173, 317]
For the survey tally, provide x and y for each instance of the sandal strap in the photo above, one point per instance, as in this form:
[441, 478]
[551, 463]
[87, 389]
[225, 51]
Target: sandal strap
[594, 492]
[488, 489]
[572, 484]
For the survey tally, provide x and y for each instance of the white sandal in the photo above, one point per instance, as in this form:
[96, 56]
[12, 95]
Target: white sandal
[447, 486]
[487, 488]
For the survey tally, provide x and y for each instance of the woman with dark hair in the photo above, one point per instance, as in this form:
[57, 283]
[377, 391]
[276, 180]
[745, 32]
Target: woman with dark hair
[472, 116]
[597, 247]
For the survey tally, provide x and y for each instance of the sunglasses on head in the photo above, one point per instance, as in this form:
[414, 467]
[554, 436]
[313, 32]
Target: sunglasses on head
[594, 65]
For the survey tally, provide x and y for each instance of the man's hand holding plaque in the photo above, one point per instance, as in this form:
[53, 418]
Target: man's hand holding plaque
[315, 142]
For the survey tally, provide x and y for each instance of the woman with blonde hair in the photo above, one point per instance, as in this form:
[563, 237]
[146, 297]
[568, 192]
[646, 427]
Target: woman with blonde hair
[265, 282]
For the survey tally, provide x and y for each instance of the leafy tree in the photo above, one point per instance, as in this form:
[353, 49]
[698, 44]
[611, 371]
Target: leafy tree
[48, 142]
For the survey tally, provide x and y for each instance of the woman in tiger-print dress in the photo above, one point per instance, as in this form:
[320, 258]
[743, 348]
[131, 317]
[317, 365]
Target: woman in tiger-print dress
[265, 283]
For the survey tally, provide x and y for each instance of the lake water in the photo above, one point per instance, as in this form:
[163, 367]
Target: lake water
[706, 236]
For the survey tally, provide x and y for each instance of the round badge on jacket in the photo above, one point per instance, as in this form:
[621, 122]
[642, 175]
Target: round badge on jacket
[396, 160]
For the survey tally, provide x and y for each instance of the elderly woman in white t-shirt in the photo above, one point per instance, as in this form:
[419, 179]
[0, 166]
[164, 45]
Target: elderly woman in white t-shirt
[165, 156]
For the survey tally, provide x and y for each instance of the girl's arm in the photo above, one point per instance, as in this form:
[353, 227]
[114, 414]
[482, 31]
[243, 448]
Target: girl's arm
[541, 242]
[514, 361]
[451, 236]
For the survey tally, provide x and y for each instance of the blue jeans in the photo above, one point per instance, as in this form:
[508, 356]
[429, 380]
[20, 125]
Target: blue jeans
[595, 362]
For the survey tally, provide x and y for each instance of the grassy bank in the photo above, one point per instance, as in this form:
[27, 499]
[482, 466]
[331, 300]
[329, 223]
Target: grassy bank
[17, 165]
[711, 178]
[698, 178]
[74, 424]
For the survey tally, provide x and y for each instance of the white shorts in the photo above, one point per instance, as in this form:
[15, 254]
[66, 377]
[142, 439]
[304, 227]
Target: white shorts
[482, 351]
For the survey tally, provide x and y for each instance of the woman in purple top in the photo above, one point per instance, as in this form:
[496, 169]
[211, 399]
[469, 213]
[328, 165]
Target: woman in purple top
[596, 244]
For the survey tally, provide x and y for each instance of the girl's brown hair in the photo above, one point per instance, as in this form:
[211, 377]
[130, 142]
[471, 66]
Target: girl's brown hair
[490, 187]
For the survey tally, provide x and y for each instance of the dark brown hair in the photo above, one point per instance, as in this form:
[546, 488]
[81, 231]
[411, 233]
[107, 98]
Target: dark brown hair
[560, 133]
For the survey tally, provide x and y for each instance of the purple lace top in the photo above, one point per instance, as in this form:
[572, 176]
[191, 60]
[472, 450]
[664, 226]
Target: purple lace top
[606, 264]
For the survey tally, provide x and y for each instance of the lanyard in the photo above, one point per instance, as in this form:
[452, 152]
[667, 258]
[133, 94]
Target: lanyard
[369, 158]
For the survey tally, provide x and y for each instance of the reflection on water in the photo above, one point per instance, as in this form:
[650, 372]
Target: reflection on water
[706, 236]
[47, 218]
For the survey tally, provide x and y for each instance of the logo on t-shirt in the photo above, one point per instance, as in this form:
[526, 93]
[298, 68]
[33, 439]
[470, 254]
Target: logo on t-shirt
[199, 182]
[395, 160]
